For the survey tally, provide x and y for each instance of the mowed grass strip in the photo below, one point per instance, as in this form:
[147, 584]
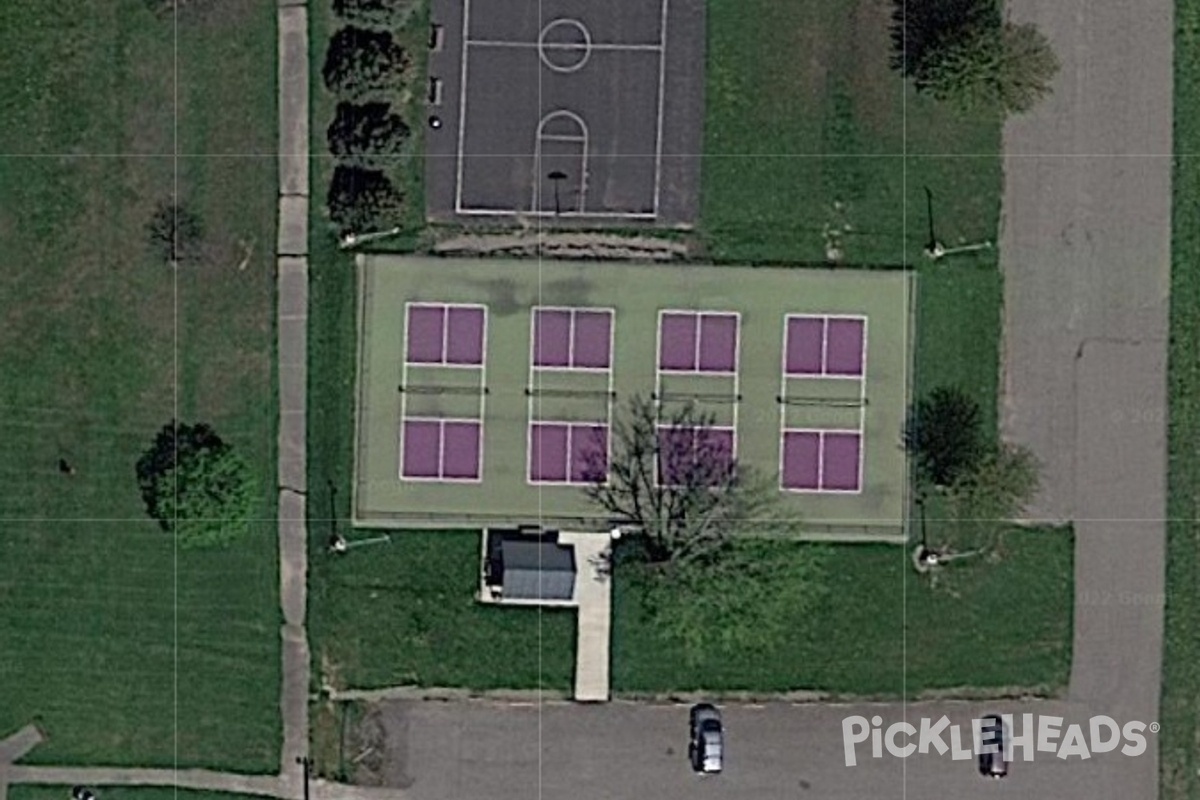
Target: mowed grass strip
[1179, 740]
[123, 651]
[879, 629]
[404, 613]
[813, 142]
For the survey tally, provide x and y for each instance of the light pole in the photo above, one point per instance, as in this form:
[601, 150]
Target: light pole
[933, 247]
[557, 176]
[921, 510]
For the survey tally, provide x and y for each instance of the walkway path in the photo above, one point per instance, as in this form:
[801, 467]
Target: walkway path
[207, 780]
[292, 327]
[593, 597]
[1085, 251]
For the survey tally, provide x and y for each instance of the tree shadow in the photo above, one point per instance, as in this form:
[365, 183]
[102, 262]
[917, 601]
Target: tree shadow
[919, 27]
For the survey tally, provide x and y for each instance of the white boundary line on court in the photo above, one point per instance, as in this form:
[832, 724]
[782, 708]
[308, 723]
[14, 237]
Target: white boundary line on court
[502, 212]
[481, 367]
[821, 461]
[462, 106]
[659, 372]
[654, 48]
[533, 384]
[823, 376]
[441, 423]
[662, 82]
[535, 204]
[660, 48]
[733, 437]
[825, 373]
[699, 315]
[570, 425]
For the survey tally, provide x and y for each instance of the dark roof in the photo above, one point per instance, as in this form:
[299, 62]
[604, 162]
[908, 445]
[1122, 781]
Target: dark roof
[536, 570]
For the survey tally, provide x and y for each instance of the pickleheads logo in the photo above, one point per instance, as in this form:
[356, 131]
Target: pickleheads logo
[1045, 734]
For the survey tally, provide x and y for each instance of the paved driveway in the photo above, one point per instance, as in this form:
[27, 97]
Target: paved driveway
[621, 750]
[1085, 251]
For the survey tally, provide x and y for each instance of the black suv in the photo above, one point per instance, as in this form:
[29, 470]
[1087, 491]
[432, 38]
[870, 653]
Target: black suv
[707, 746]
[992, 736]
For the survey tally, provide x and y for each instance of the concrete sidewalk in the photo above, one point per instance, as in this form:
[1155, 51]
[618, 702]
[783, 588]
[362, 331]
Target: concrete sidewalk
[292, 332]
[593, 598]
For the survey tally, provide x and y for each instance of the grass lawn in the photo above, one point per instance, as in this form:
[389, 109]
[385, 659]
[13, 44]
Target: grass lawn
[1179, 756]
[124, 651]
[809, 129]
[332, 328]
[880, 629]
[404, 613]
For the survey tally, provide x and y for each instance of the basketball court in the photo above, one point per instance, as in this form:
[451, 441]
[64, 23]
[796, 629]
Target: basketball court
[566, 110]
[488, 389]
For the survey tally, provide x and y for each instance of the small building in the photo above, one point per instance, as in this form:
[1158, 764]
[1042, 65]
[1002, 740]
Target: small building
[519, 567]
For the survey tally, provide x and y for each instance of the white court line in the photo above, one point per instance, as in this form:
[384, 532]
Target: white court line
[539, 137]
[653, 48]
[441, 421]
[482, 394]
[570, 426]
[783, 387]
[462, 109]
[562, 137]
[504, 212]
[821, 461]
[662, 81]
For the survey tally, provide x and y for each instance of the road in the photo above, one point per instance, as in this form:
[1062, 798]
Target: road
[1085, 251]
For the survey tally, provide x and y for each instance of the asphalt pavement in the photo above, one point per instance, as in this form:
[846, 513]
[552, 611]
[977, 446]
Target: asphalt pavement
[1085, 251]
[625, 750]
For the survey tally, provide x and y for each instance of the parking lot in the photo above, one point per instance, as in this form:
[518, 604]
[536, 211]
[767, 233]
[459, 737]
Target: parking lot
[438, 750]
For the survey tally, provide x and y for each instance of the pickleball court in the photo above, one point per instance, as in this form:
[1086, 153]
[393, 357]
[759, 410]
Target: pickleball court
[488, 390]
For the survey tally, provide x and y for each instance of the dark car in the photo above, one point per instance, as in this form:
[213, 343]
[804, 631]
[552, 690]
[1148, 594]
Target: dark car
[707, 746]
[993, 737]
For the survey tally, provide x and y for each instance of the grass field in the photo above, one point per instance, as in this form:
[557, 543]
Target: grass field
[332, 300]
[809, 130]
[122, 650]
[880, 629]
[1179, 757]
[405, 613]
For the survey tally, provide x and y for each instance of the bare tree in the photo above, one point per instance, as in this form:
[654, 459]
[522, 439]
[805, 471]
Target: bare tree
[674, 477]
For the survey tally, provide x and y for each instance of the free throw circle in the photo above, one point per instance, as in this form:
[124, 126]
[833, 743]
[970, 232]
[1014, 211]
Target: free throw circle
[565, 45]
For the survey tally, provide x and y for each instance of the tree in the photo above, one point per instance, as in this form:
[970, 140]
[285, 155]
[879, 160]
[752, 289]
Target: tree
[360, 131]
[945, 435]
[757, 595]
[362, 200]
[392, 12]
[985, 500]
[361, 60]
[677, 482]
[196, 486]
[1007, 68]
[922, 27]
[175, 233]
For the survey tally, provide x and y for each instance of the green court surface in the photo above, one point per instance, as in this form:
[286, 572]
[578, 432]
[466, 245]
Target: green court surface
[505, 393]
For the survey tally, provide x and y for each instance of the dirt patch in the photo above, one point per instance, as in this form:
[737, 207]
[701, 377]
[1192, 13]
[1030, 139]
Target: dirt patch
[564, 245]
[377, 747]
